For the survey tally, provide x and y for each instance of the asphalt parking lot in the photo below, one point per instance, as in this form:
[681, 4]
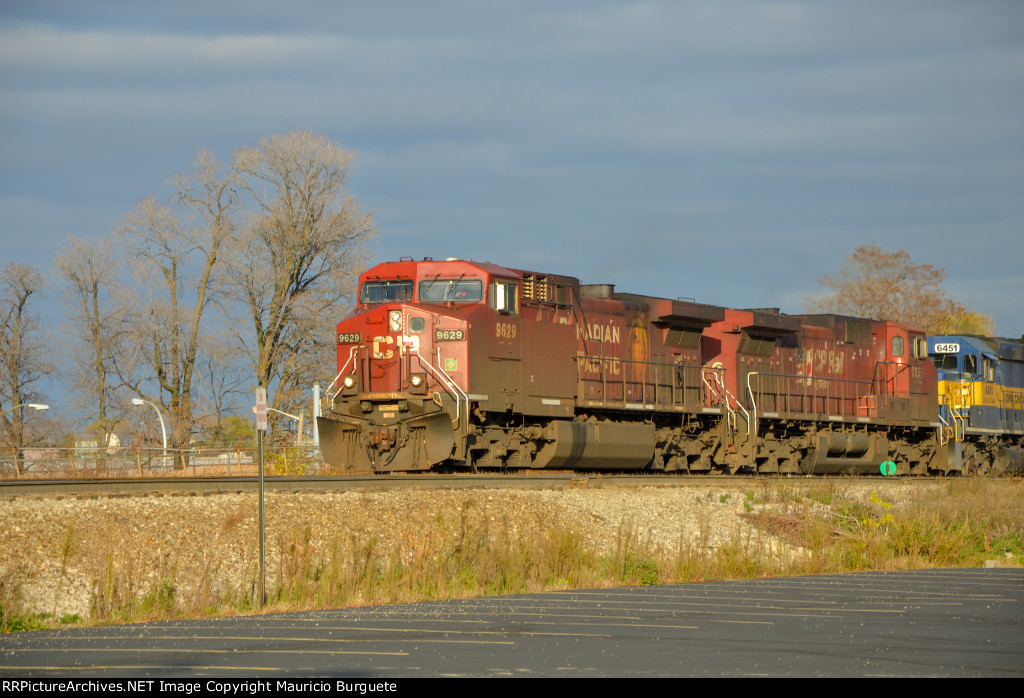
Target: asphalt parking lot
[963, 622]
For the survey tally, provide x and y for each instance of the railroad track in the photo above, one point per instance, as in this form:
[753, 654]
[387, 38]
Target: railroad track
[219, 485]
[107, 487]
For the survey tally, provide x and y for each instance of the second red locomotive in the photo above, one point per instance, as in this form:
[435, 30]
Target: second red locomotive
[483, 366]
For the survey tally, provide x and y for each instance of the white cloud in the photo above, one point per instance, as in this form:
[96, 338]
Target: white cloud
[39, 47]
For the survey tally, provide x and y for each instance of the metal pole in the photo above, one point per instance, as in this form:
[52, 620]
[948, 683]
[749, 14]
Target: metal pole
[163, 428]
[263, 573]
[316, 413]
[261, 427]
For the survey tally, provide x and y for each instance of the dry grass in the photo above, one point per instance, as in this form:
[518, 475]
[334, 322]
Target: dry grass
[823, 528]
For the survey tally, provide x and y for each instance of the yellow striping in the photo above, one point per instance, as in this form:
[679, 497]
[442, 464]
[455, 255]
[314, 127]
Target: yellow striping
[197, 651]
[982, 394]
[77, 669]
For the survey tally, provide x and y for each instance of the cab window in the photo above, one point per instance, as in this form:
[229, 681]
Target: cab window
[897, 345]
[438, 290]
[385, 291]
[970, 365]
[918, 347]
[504, 295]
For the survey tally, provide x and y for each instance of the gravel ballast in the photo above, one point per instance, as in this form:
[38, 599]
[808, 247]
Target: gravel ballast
[148, 538]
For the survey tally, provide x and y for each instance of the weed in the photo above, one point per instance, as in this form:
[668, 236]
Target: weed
[13, 615]
[160, 600]
[66, 551]
[822, 494]
[13, 623]
[648, 571]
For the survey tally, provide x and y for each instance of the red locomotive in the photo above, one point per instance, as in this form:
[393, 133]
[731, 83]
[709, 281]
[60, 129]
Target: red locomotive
[481, 366]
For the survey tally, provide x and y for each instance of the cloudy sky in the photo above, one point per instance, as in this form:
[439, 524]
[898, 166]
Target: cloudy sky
[730, 151]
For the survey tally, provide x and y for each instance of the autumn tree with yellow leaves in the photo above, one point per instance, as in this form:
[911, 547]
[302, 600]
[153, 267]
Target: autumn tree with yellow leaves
[876, 283]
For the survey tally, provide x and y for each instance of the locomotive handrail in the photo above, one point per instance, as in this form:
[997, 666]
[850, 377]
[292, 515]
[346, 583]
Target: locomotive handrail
[714, 391]
[752, 425]
[675, 382]
[441, 377]
[944, 431]
[720, 391]
[447, 382]
[730, 412]
[458, 418]
[805, 380]
[351, 355]
[900, 368]
[955, 404]
[581, 321]
[746, 415]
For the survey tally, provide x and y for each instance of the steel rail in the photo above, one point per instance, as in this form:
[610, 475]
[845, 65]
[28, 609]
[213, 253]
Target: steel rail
[207, 486]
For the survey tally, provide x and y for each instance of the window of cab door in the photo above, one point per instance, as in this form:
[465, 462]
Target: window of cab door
[505, 296]
[970, 365]
[897, 345]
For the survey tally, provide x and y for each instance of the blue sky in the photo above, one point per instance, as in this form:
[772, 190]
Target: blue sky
[728, 151]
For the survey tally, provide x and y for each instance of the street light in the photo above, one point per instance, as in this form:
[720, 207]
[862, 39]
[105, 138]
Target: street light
[298, 419]
[138, 402]
[34, 405]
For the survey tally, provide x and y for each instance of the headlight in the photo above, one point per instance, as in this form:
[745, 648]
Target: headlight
[418, 383]
[395, 320]
[349, 381]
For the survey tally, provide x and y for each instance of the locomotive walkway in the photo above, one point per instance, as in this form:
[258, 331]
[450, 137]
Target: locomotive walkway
[963, 622]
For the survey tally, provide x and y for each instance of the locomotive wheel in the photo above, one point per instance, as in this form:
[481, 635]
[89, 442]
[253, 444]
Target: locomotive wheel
[973, 461]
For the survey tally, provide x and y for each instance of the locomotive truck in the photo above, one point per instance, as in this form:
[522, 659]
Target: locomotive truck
[461, 364]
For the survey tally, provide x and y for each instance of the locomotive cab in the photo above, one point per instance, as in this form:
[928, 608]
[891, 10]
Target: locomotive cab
[981, 400]
[401, 393]
[967, 378]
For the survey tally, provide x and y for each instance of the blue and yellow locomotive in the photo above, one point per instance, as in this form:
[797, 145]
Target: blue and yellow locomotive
[981, 400]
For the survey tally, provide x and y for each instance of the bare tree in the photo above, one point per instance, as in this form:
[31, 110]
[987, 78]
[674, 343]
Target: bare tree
[224, 381]
[99, 308]
[875, 283]
[24, 357]
[298, 253]
[309, 359]
[177, 259]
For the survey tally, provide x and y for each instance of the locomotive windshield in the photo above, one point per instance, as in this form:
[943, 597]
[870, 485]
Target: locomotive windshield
[385, 291]
[438, 290]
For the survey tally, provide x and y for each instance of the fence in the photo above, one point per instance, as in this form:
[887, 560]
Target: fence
[61, 462]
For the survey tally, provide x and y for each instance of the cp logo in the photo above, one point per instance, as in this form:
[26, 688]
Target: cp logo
[378, 352]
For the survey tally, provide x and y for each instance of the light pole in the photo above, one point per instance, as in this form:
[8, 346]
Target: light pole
[316, 414]
[34, 405]
[138, 402]
[297, 419]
